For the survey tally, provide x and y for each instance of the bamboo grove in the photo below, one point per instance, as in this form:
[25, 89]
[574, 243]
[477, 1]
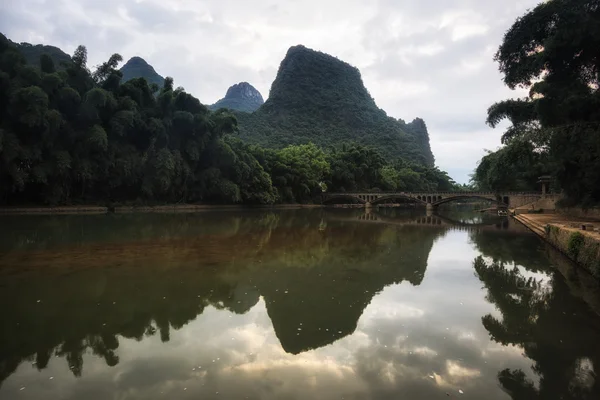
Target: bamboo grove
[69, 135]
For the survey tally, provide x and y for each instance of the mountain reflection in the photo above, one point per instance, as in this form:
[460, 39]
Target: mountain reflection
[71, 286]
[140, 275]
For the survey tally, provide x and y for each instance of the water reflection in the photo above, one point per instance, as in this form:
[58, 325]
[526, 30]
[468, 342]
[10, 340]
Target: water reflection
[159, 272]
[555, 330]
[328, 302]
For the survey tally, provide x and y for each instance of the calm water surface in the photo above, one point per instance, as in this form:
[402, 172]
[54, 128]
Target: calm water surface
[306, 304]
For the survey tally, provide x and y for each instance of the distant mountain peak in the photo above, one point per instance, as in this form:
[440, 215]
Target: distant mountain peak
[240, 97]
[244, 90]
[139, 61]
[137, 67]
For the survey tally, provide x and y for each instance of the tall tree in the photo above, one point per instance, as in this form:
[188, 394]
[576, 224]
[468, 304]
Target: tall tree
[553, 50]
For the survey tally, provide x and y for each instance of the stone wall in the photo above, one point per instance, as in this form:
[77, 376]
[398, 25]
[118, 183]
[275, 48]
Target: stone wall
[580, 247]
[580, 213]
[521, 200]
[581, 283]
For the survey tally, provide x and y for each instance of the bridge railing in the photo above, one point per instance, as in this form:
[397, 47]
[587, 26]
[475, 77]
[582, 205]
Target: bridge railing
[434, 193]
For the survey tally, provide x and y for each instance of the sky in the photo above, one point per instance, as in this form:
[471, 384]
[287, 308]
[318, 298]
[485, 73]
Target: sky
[418, 58]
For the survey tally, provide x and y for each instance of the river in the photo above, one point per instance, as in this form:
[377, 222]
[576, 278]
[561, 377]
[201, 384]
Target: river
[291, 304]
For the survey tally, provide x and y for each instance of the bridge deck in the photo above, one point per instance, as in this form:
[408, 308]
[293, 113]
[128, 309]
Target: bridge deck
[513, 199]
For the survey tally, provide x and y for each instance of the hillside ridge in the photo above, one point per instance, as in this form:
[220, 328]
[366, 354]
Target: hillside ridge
[318, 98]
[137, 67]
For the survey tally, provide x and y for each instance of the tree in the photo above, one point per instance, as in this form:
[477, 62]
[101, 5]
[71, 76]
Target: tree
[553, 51]
[541, 321]
[47, 64]
[80, 57]
[297, 172]
[516, 166]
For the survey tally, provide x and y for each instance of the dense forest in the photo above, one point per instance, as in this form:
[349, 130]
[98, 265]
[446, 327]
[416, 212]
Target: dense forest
[552, 50]
[318, 98]
[69, 135]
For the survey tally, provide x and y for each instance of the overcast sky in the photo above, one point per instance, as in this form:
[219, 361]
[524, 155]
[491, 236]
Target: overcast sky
[419, 58]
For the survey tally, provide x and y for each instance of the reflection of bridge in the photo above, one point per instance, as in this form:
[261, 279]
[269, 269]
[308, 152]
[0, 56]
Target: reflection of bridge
[434, 220]
[431, 199]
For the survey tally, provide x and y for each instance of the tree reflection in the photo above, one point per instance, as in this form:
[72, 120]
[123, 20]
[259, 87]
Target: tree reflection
[514, 244]
[157, 273]
[556, 330]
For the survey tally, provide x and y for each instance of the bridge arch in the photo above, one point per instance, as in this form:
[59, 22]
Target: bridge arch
[468, 196]
[397, 196]
[352, 198]
[457, 223]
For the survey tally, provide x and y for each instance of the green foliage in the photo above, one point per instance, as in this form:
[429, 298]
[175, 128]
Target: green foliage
[80, 57]
[356, 167]
[84, 137]
[105, 70]
[550, 230]
[297, 172]
[516, 166]
[320, 99]
[29, 105]
[77, 136]
[47, 64]
[552, 50]
[576, 241]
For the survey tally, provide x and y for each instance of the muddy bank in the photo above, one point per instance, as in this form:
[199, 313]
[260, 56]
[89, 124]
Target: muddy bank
[54, 210]
[129, 209]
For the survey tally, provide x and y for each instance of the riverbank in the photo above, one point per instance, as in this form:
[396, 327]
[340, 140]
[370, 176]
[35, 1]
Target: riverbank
[577, 238]
[132, 209]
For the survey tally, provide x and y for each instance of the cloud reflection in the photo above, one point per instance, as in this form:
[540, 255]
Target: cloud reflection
[265, 330]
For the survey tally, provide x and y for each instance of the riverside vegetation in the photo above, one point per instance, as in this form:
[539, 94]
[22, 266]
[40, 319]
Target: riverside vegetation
[69, 135]
[552, 50]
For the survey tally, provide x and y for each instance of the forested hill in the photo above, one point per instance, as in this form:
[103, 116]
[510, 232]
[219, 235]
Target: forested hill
[33, 52]
[137, 67]
[81, 136]
[318, 98]
[241, 97]
[418, 130]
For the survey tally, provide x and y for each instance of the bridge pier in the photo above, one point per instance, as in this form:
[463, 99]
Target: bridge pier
[430, 208]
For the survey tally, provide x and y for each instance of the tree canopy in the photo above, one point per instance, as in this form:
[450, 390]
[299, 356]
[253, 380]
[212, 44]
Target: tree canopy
[552, 50]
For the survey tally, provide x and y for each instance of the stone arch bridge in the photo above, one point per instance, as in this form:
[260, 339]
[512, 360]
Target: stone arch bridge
[431, 199]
